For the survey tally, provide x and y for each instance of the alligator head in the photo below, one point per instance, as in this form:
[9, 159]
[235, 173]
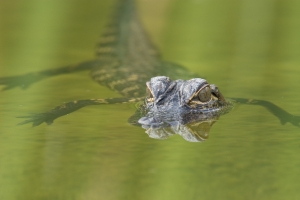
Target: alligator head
[186, 107]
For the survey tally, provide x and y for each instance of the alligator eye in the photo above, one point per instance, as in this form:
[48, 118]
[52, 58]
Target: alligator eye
[205, 94]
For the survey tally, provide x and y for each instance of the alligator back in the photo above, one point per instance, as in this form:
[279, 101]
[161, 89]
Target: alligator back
[127, 57]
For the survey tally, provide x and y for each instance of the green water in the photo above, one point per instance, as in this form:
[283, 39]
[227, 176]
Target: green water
[250, 49]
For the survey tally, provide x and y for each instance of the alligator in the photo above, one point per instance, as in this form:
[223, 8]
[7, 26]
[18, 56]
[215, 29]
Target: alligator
[126, 60]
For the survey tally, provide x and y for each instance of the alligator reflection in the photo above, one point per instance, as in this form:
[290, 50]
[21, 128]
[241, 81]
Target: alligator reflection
[193, 132]
[198, 129]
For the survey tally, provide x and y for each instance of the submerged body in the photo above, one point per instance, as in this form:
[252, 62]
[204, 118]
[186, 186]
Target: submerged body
[125, 60]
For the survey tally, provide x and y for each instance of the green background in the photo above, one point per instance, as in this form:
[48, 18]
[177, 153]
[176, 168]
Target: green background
[250, 49]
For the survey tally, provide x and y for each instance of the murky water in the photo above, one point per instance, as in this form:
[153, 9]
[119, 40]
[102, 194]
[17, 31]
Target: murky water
[250, 49]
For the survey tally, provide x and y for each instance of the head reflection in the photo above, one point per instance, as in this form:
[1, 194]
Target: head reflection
[193, 132]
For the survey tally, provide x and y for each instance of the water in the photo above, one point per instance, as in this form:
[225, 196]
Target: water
[249, 49]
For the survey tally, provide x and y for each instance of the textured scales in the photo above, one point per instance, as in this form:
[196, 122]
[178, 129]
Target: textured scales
[129, 58]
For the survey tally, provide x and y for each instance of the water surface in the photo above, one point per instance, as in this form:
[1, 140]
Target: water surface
[250, 49]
